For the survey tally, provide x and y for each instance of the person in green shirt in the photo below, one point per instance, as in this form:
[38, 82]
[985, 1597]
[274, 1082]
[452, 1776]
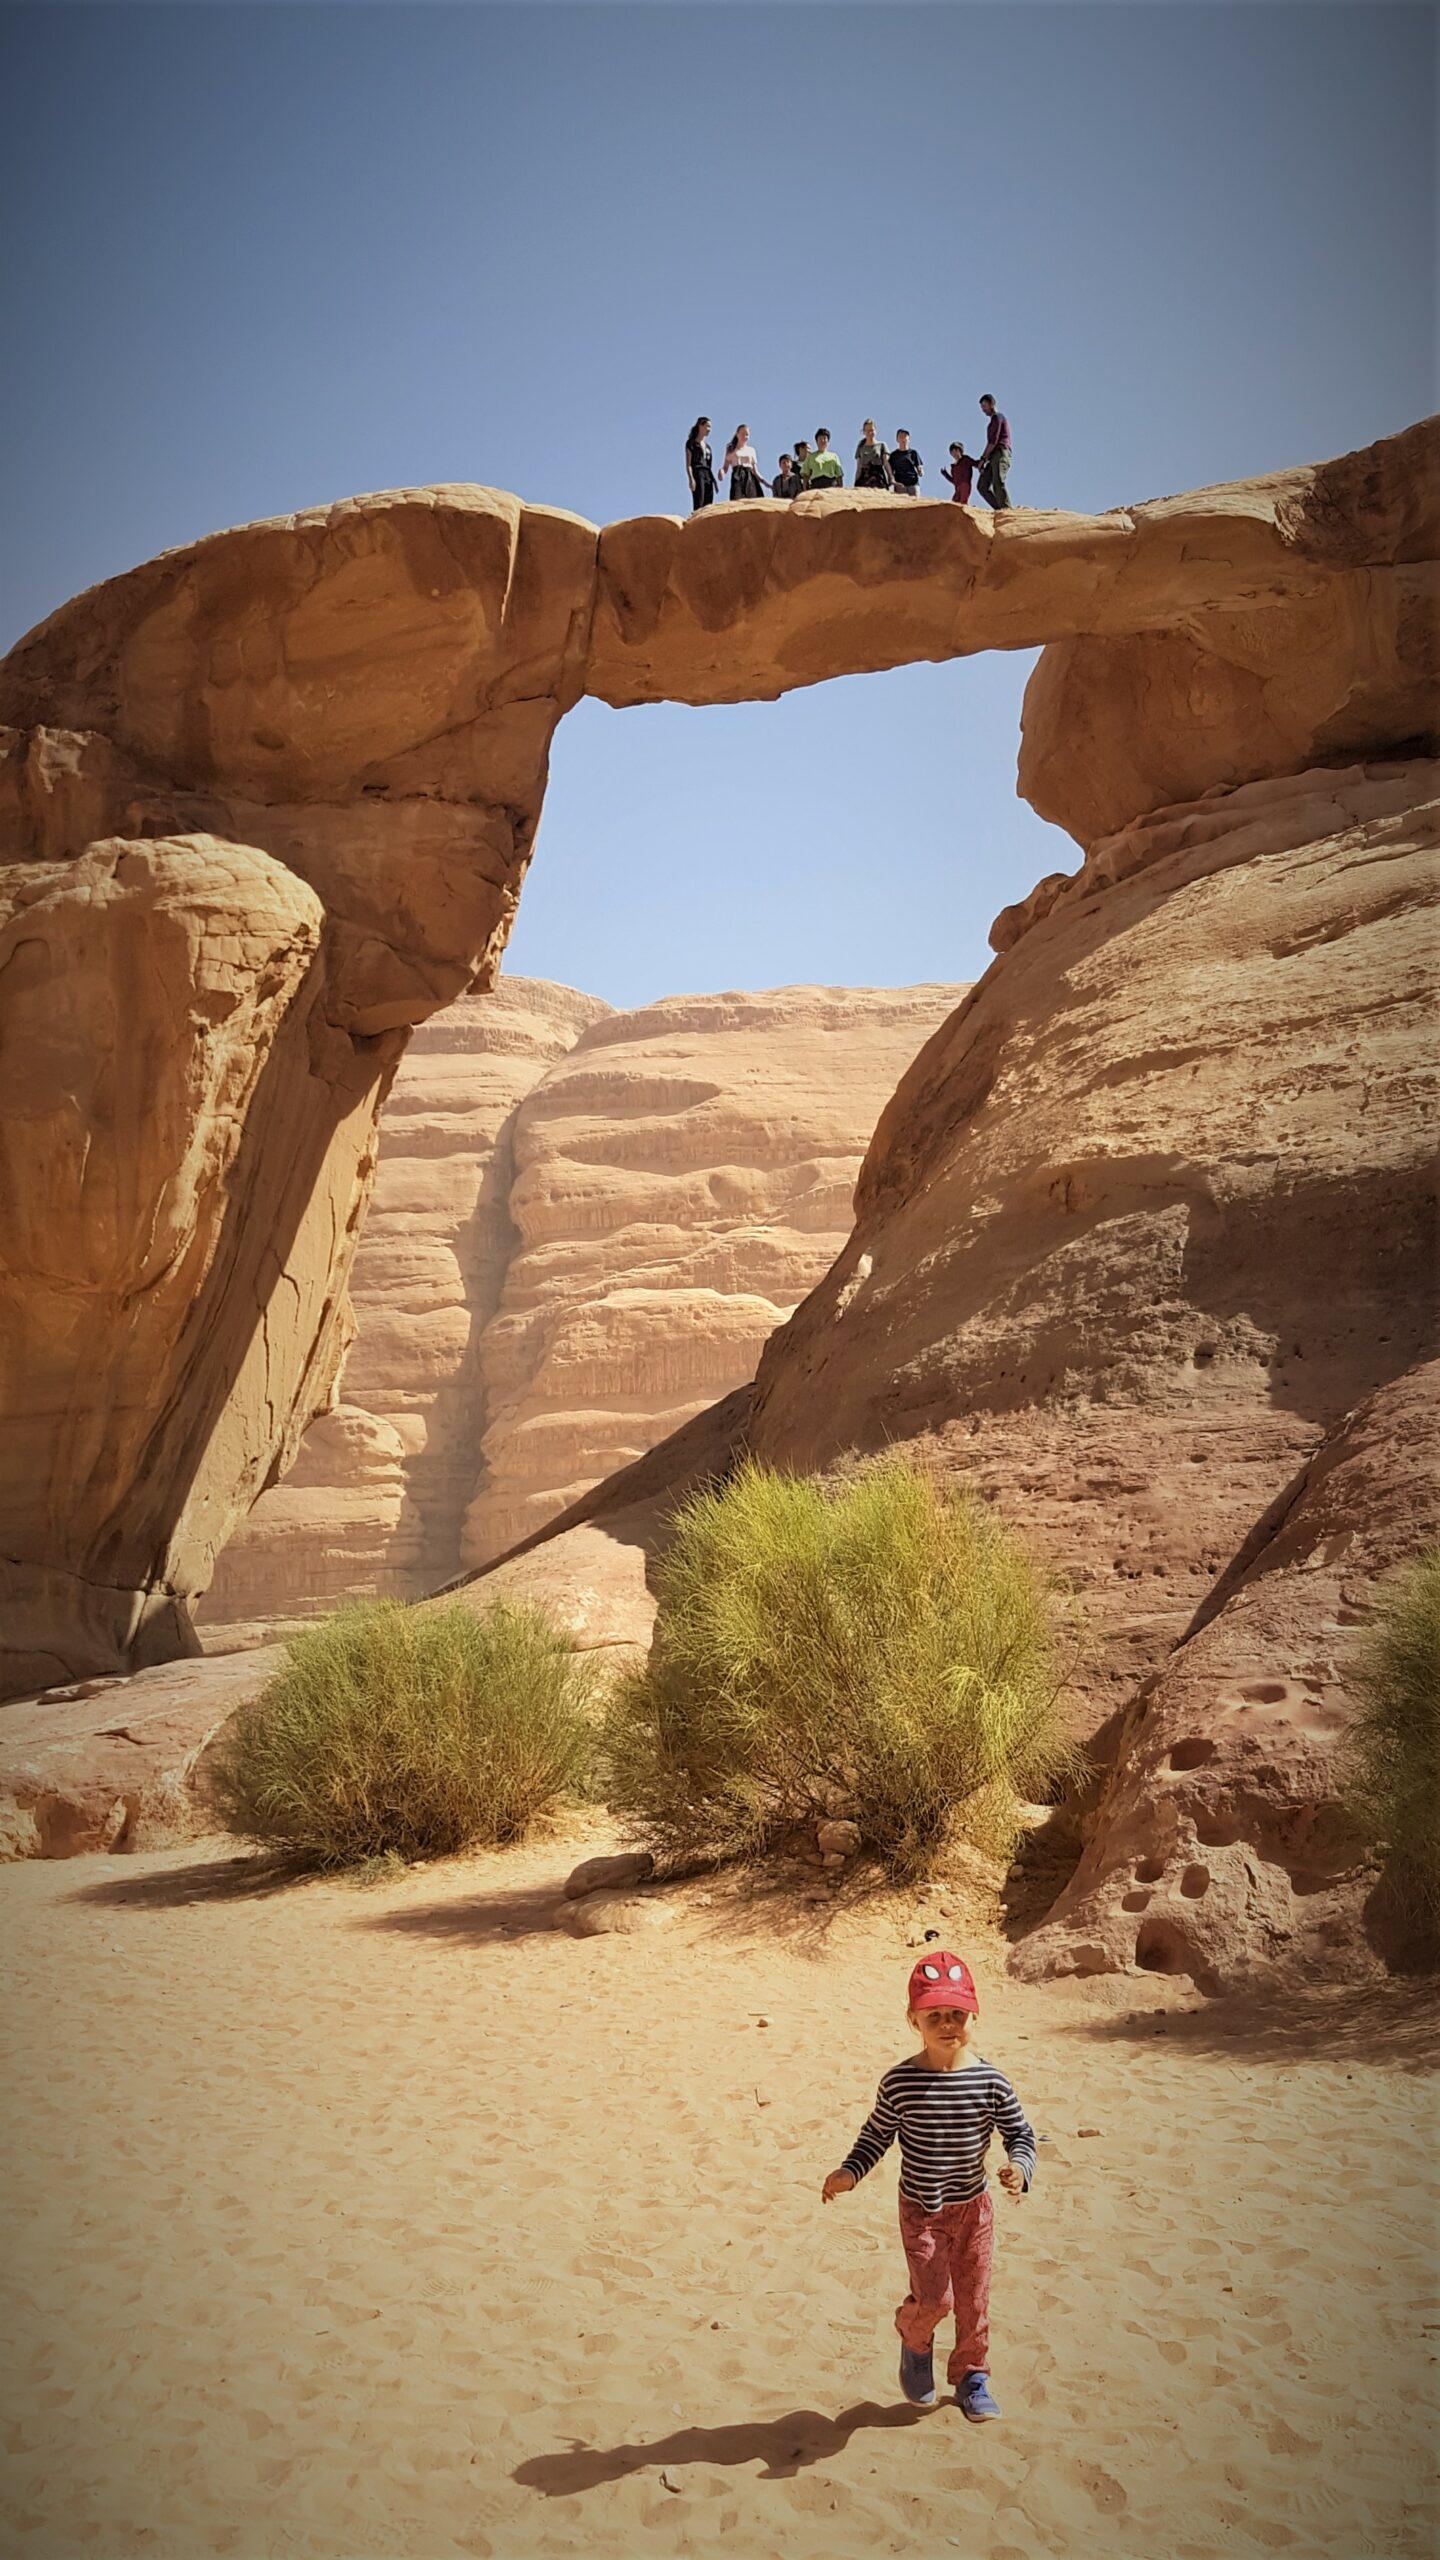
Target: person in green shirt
[823, 469]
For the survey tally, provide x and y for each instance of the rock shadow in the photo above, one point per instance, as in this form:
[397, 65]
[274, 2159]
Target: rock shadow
[524, 1911]
[782, 2447]
[246, 1878]
[1374, 1237]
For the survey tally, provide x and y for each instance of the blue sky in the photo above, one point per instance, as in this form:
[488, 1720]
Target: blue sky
[265, 256]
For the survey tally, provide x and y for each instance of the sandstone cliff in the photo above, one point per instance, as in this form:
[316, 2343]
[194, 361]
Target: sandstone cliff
[366, 694]
[374, 1502]
[652, 1192]
[683, 1177]
[1144, 1241]
[1145, 1251]
[185, 1151]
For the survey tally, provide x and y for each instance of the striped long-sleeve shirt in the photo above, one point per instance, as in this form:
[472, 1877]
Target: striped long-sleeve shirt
[944, 2120]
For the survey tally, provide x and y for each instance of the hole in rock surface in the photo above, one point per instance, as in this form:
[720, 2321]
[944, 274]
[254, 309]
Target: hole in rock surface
[1161, 1947]
[1193, 1752]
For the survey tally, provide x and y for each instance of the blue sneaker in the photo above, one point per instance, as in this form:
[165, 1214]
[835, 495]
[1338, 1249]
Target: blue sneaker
[972, 2398]
[917, 2377]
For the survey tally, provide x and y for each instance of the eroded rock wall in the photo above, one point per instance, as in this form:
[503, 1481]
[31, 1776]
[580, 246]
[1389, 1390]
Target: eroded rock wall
[185, 1152]
[374, 1504]
[1219, 1849]
[682, 1177]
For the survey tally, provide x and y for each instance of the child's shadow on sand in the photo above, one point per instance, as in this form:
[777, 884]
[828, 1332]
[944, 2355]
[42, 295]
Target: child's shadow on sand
[783, 2445]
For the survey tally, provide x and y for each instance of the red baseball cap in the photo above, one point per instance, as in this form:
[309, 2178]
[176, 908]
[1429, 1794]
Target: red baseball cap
[941, 1981]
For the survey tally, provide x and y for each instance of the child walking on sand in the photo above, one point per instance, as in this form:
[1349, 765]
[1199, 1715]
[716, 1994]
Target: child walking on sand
[944, 2102]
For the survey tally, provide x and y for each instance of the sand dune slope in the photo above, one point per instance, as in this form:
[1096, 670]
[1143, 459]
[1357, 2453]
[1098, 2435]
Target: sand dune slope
[397, 2221]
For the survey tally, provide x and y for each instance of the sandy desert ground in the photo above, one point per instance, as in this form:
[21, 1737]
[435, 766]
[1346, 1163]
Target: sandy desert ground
[395, 2221]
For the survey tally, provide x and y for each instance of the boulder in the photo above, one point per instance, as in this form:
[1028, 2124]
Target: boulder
[185, 1150]
[119, 1764]
[608, 1875]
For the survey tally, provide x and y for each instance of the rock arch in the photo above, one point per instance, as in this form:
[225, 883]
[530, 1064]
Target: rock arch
[268, 801]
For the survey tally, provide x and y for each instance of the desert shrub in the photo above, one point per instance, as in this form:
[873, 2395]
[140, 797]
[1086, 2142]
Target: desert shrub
[880, 1649]
[394, 1730]
[1391, 1758]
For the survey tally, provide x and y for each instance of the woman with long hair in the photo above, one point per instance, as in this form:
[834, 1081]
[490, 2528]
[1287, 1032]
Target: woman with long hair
[743, 464]
[700, 466]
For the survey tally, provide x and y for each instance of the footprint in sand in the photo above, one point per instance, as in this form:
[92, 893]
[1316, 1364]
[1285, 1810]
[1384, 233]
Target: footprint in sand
[1101, 2487]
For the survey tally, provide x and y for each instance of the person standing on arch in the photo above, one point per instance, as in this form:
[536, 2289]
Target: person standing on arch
[872, 463]
[905, 466]
[700, 466]
[823, 469]
[995, 460]
[743, 464]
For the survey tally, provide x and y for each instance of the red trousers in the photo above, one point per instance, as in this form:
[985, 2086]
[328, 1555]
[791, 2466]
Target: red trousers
[949, 2256]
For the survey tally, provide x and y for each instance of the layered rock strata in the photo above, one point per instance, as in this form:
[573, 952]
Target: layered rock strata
[366, 694]
[373, 1506]
[682, 1177]
[583, 1227]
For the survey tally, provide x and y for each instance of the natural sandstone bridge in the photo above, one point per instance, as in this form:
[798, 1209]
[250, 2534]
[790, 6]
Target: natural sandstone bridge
[269, 801]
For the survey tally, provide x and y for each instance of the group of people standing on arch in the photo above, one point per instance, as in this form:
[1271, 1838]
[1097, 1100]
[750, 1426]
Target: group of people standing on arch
[812, 469]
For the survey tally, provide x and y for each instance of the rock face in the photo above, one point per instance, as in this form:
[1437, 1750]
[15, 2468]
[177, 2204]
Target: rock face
[374, 1503]
[365, 696]
[1216, 1851]
[368, 691]
[1154, 1209]
[1145, 1251]
[652, 1192]
[184, 1143]
[682, 1177]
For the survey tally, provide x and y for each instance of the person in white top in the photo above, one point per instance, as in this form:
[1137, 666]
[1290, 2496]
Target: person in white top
[743, 464]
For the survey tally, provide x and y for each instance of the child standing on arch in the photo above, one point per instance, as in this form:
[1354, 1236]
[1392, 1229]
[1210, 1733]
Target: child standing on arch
[944, 2102]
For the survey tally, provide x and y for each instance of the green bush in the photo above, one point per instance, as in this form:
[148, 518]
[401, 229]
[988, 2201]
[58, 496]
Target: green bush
[881, 1650]
[1391, 1759]
[394, 1730]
